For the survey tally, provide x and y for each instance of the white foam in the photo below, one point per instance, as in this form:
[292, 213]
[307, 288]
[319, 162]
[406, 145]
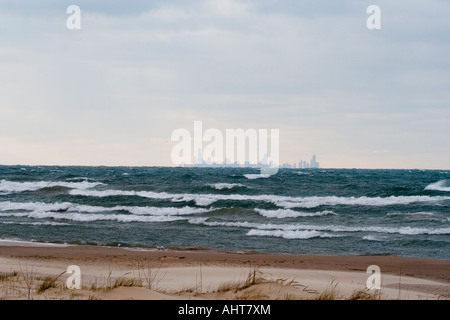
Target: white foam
[79, 217]
[73, 207]
[281, 201]
[312, 202]
[325, 228]
[21, 243]
[80, 178]
[31, 206]
[371, 238]
[296, 234]
[162, 211]
[253, 176]
[45, 223]
[442, 185]
[288, 213]
[14, 187]
[411, 214]
[221, 186]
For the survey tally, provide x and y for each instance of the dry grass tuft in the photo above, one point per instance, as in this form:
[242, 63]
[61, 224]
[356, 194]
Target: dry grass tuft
[331, 293]
[254, 277]
[126, 282]
[5, 276]
[47, 283]
[365, 295]
[149, 275]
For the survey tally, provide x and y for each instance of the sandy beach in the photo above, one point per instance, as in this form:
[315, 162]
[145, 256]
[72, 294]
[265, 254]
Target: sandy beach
[39, 272]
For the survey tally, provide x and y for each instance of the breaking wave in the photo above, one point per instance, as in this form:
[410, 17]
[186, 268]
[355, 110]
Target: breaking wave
[325, 228]
[411, 214]
[442, 185]
[253, 176]
[288, 213]
[84, 213]
[281, 201]
[296, 234]
[14, 187]
[79, 217]
[45, 223]
[372, 238]
[221, 186]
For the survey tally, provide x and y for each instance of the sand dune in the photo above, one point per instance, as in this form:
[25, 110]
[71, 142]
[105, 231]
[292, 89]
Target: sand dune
[117, 273]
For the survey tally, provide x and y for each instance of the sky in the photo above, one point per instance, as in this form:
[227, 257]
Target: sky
[112, 92]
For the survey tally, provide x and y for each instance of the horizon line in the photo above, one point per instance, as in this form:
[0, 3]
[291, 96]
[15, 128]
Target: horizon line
[208, 167]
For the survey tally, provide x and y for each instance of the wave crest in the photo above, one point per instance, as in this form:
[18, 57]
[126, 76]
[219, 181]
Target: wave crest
[442, 185]
[288, 213]
[253, 176]
[325, 228]
[281, 201]
[296, 234]
[221, 186]
[15, 187]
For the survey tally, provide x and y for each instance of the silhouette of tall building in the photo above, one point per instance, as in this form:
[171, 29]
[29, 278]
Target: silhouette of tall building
[314, 163]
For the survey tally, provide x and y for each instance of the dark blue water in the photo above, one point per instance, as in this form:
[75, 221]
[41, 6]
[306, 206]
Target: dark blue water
[323, 211]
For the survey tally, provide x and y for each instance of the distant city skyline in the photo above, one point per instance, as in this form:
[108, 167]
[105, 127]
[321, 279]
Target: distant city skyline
[199, 161]
[313, 164]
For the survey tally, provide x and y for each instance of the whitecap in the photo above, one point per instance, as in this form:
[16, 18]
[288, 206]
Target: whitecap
[326, 228]
[371, 238]
[79, 217]
[78, 208]
[221, 186]
[253, 176]
[14, 187]
[411, 214]
[442, 185]
[45, 223]
[288, 213]
[295, 234]
[281, 201]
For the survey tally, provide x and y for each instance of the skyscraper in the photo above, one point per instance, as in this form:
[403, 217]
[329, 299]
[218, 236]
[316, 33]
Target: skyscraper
[314, 163]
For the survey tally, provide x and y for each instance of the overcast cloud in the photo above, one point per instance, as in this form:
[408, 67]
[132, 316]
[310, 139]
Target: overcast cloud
[113, 92]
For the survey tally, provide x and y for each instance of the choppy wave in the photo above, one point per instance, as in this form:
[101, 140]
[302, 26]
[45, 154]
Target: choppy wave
[372, 238]
[14, 187]
[296, 234]
[408, 210]
[442, 185]
[281, 201]
[288, 213]
[253, 176]
[45, 223]
[50, 208]
[80, 217]
[221, 186]
[312, 202]
[77, 179]
[411, 214]
[325, 228]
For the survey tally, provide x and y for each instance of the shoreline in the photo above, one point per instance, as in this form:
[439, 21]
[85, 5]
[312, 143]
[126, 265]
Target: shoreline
[130, 273]
[427, 268]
